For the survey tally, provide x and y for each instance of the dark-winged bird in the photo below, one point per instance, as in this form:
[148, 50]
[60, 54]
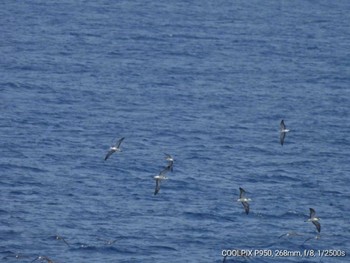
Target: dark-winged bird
[283, 131]
[315, 220]
[244, 200]
[114, 148]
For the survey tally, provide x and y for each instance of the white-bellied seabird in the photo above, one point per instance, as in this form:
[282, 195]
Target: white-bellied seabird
[283, 131]
[170, 160]
[314, 220]
[114, 148]
[244, 200]
[161, 176]
[158, 179]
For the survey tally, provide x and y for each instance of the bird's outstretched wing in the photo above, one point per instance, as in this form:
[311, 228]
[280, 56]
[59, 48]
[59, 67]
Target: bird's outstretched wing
[120, 142]
[282, 125]
[165, 170]
[282, 136]
[318, 226]
[312, 212]
[156, 190]
[241, 192]
[110, 152]
[246, 207]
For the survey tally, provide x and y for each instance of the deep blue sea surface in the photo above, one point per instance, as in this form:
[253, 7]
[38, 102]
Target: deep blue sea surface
[205, 81]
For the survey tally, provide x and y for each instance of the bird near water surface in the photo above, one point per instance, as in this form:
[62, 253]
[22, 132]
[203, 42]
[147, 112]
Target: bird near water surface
[283, 131]
[114, 148]
[245, 201]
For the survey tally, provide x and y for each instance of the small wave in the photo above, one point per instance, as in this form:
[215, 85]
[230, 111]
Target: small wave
[167, 248]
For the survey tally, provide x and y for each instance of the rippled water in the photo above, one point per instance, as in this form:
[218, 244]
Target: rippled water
[207, 82]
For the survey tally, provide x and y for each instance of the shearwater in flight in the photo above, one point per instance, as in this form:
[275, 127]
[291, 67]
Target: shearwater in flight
[314, 220]
[170, 160]
[114, 148]
[244, 200]
[283, 131]
[161, 176]
[158, 179]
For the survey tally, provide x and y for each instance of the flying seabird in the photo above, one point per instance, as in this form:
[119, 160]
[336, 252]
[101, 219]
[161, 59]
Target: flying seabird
[170, 160]
[244, 200]
[158, 179]
[283, 131]
[314, 219]
[114, 148]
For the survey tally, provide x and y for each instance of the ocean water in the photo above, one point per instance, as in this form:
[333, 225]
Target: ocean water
[206, 81]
